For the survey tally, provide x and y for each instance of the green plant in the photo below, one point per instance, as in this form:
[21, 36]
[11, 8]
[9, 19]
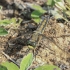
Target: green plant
[24, 65]
[6, 22]
[2, 67]
[62, 10]
[26, 62]
[35, 15]
[47, 67]
[3, 31]
[10, 66]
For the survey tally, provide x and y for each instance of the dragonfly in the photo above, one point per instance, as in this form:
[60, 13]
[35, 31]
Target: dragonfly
[37, 35]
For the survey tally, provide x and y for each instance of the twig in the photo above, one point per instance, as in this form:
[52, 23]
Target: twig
[9, 58]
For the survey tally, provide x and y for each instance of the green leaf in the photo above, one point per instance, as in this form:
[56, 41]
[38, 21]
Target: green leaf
[37, 20]
[51, 2]
[36, 16]
[38, 8]
[47, 67]
[3, 31]
[2, 67]
[58, 0]
[10, 66]
[7, 21]
[13, 20]
[4, 22]
[26, 62]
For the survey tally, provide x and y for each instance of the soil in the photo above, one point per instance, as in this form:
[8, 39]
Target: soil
[53, 48]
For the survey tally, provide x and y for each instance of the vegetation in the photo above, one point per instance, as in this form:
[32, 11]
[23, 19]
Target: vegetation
[59, 9]
[25, 64]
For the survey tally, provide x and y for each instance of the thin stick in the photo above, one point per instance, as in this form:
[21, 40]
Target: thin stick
[9, 58]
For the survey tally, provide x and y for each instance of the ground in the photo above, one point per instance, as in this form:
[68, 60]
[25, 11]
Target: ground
[53, 48]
